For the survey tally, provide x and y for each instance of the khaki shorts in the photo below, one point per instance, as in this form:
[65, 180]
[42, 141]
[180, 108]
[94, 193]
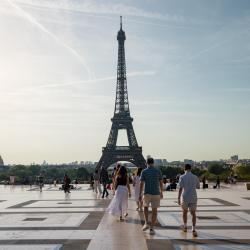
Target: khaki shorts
[188, 205]
[153, 199]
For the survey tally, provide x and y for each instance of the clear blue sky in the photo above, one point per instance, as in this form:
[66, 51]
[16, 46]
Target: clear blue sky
[188, 66]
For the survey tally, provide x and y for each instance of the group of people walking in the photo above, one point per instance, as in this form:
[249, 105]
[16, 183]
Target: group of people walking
[148, 191]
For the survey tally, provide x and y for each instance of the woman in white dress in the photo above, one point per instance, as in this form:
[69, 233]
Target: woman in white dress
[136, 184]
[119, 204]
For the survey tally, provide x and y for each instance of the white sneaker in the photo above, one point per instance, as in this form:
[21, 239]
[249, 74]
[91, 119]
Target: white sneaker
[145, 227]
[152, 231]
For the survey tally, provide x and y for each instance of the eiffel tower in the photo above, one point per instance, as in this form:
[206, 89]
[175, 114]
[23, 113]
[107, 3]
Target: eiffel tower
[121, 119]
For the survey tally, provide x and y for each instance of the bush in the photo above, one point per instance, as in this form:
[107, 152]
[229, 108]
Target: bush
[242, 171]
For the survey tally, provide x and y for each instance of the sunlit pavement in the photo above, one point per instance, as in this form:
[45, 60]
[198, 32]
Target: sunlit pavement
[50, 219]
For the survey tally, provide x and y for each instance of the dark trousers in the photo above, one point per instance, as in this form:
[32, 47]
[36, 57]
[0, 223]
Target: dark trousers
[66, 188]
[105, 191]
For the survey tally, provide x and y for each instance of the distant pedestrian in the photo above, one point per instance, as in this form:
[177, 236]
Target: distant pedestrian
[204, 185]
[119, 203]
[40, 182]
[217, 182]
[66, 183]
[97, 185]
[133, 176]
[104, 178]
[92, 182]
[136, 184]
[187, 197]
[130, 178]
[151, 178]
[76, 183]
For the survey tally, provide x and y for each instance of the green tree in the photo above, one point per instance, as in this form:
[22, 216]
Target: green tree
[170, 172]
[20, 171]
[243, 171]
[54, 173]
[216, 168]
[199, 172]
[82, 174]
[72, 173]
[4, 176]
[34, 170]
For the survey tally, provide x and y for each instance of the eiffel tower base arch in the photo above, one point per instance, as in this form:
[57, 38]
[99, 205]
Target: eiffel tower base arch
[121, 153]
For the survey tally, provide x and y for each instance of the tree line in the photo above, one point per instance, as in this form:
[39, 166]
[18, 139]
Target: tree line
[28, 174]
[214, 169]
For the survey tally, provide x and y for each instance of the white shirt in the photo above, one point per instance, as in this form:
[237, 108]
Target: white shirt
[189, 182]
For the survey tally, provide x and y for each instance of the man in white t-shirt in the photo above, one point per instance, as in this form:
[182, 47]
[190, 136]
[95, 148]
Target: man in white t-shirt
[187, 197]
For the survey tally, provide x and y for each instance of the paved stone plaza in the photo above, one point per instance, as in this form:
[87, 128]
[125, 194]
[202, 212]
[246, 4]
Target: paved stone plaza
[52, 220]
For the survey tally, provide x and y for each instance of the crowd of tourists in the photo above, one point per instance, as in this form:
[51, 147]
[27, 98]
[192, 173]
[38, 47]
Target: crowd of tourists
[148, 187]
[66, 183]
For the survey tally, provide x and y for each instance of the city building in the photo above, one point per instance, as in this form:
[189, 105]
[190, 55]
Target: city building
[234, 158]
[187, 161]
[164, 162]
[158, 162]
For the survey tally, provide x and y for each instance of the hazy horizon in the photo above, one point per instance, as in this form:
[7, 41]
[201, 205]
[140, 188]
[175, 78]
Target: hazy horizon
[187, 71]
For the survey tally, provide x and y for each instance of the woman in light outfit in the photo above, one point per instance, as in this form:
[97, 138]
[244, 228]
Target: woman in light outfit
[119, 204]
[136, 184]
[97, 185]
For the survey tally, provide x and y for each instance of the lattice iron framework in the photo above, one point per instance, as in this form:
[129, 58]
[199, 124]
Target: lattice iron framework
[121, 119]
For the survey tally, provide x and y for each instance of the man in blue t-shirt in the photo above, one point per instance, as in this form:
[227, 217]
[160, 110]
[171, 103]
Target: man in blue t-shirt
[151, 179]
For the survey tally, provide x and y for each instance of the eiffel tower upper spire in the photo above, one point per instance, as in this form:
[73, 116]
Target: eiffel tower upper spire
[121, 101]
